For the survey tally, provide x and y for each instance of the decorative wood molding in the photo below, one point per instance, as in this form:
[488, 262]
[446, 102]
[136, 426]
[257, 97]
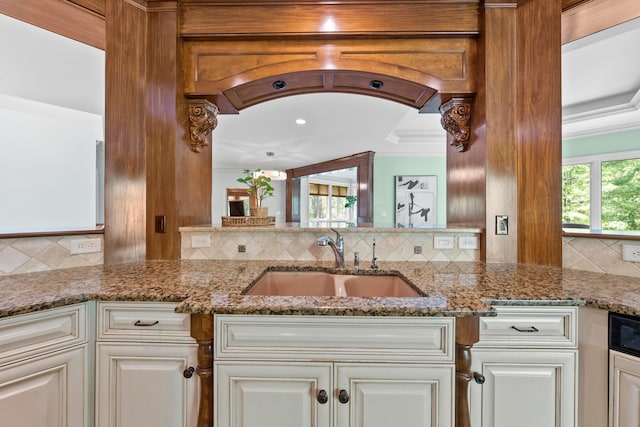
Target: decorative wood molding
[202, 332]
[203, 119]
[456, 115]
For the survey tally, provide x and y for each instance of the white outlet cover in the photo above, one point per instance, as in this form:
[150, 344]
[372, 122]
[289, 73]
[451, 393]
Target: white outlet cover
[468, 242]
[201, 241]
[443, 242]
[631, 253]
[85, 246]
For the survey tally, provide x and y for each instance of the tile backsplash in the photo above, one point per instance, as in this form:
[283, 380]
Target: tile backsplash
[599, 255]
[300, 245]
[29, 254]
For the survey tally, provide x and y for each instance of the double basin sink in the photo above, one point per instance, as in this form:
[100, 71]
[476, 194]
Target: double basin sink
[317, 283]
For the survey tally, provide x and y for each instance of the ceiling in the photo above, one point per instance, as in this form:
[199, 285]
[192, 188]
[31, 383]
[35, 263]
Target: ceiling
[600, 81]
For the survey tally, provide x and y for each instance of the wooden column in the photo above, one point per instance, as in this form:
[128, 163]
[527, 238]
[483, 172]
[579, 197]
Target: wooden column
[155, 183]
[513, 163]
[467, 334]
[202, 332]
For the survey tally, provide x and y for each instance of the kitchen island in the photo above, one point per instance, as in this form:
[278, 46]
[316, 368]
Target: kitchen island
[462, 290]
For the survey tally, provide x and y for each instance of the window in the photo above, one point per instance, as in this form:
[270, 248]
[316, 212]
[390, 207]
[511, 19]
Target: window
[602, 193]
[327, 205]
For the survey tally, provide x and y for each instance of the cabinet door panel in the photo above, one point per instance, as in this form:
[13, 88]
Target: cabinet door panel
[49, 391]
[393, 395]
[272, 395]
[524, 389]
[143, 385]
[625, 390]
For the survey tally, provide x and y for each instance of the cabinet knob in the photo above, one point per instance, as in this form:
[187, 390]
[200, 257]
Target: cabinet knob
[478, 377]
[322, 397]
[343, 396]
[188, 373]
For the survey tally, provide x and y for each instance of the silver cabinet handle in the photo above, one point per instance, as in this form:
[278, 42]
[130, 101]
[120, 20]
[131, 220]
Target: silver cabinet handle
[143, 324]
[526, 330]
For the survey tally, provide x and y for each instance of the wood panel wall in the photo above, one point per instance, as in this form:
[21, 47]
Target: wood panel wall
[150, 170]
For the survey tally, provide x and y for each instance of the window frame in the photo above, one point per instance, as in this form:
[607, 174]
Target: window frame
[595, 180]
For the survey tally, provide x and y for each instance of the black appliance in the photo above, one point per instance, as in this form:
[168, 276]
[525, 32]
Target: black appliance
[624, 333]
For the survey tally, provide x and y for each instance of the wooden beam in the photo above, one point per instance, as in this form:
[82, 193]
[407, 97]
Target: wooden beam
[596, 15]
[64, 18]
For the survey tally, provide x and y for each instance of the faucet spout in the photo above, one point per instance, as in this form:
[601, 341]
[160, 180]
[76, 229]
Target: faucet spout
[337, 246]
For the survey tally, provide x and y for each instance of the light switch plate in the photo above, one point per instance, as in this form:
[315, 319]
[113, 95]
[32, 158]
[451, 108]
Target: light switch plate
[631, 253]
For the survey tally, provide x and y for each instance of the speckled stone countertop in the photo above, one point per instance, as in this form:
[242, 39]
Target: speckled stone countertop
[207, 286]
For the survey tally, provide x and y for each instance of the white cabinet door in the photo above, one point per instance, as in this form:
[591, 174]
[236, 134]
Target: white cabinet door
[262, 394]
[383, 395]
[524, 388]
[144, 385]
[47, 391]
[624, 395]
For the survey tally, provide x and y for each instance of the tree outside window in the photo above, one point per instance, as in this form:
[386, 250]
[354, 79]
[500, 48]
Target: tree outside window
[604, 194]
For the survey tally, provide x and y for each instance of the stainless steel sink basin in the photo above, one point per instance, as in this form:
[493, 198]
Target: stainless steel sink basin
[313, 283]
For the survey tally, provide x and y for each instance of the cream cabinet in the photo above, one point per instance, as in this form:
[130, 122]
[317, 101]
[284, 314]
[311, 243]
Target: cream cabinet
[624, 390]
[45, 369]
[527, 357]
[144, 366]
[323, 371]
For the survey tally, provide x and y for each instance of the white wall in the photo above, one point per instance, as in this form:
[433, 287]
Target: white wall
[47, 166]
[226, 178]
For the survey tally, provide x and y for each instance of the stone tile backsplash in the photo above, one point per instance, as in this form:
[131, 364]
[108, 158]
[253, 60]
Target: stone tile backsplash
[301, 246]
[598, 255]
[29, 254]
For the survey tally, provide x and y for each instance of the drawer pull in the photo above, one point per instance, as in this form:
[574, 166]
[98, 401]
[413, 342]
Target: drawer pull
[527, 330]
[139, 323]
[343, 396]
[322, 397]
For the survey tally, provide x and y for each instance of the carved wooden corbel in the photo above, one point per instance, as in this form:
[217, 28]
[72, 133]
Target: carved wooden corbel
[456, 115]
[203, 118]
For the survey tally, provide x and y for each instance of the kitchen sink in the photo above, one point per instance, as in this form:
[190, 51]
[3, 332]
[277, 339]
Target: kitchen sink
[314, 283]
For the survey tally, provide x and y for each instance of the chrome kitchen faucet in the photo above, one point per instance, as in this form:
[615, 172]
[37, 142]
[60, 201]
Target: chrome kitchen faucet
[337, 246]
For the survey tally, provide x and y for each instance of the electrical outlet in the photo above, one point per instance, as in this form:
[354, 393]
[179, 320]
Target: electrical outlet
[85, 246]
[468, 242]
[201, 241]
[631, 253]
[417, 250]
[242, 248]
[443, 242]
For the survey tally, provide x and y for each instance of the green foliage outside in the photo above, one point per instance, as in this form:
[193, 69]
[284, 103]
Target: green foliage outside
[620, 194]
[575, 194]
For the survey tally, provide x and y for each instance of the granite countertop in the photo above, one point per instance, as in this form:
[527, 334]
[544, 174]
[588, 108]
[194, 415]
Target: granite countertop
[208, 286]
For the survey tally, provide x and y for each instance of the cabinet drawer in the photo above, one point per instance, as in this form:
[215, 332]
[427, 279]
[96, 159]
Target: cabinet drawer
[334, 338]
[530, 327]
[142, 322]
[34, 333]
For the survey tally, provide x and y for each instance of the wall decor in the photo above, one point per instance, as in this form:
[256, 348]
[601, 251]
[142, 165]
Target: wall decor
[416, 201]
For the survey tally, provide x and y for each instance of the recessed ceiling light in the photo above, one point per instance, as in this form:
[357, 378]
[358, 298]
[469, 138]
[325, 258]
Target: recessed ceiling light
[301, 121]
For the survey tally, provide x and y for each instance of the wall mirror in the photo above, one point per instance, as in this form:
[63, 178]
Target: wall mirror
[303, 130]
[51, 131]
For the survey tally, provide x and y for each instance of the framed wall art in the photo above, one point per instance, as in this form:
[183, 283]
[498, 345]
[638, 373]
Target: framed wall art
[416, 201]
